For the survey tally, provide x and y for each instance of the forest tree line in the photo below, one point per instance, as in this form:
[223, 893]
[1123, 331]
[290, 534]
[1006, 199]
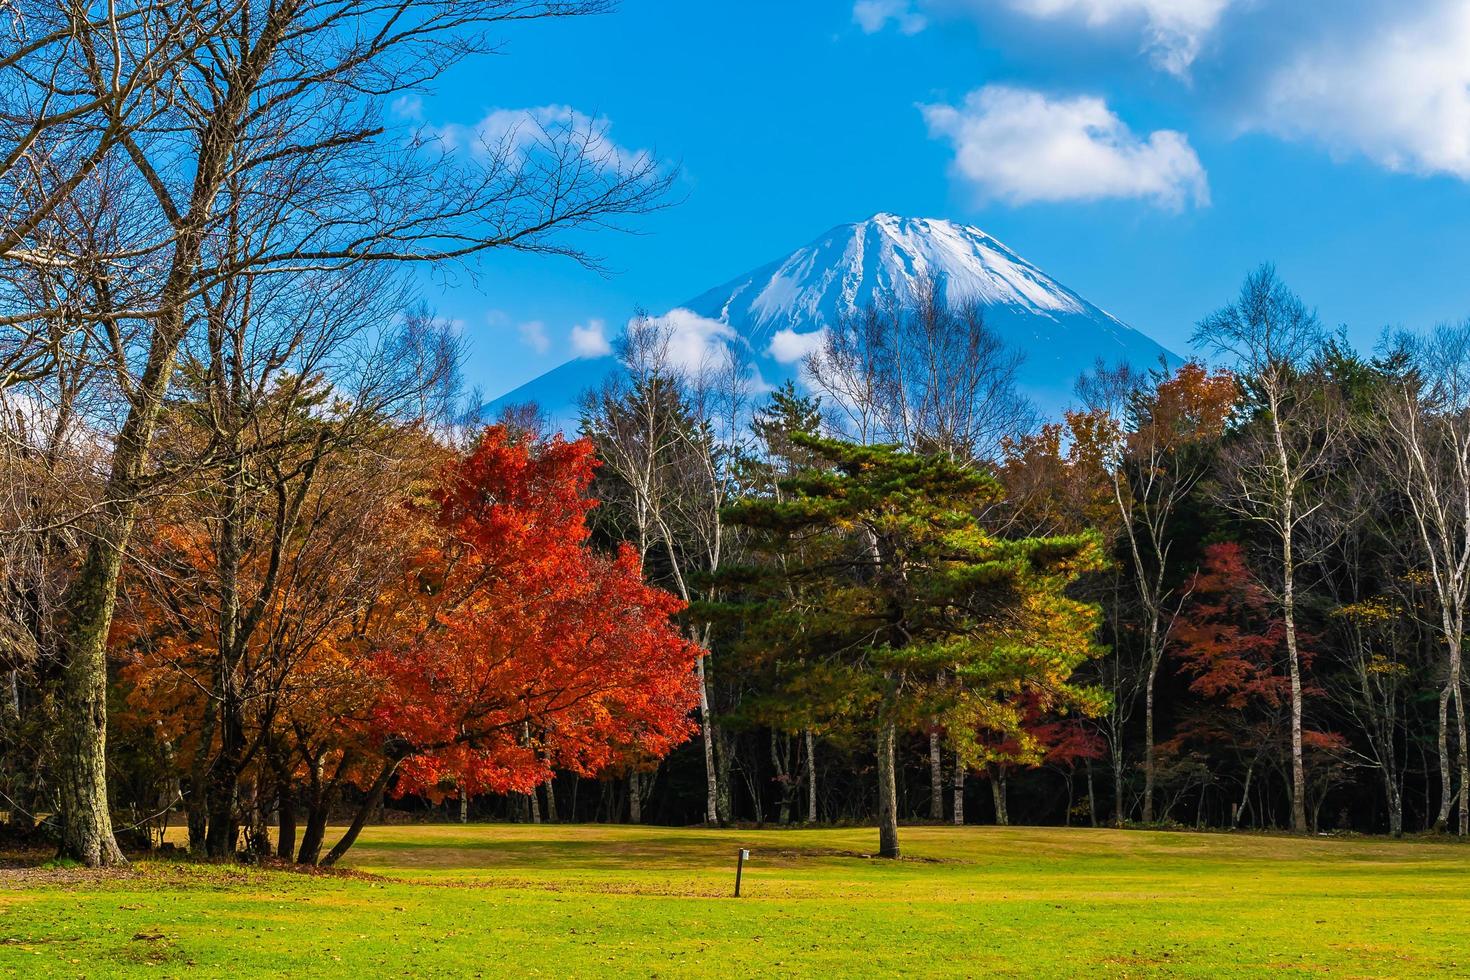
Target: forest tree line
[263, 571]
[1232, 596]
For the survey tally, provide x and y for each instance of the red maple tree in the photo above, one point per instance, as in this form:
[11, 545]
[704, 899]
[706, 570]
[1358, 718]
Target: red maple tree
[524, 650]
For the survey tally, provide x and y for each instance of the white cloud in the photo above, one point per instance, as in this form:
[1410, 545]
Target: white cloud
[1394, 88]
[789, 347]
[1174, 30]
[590, 340]
[408, 106]
[1019, 146]
[533, 335]
[514, 134]
[694, 343]
[873, 15]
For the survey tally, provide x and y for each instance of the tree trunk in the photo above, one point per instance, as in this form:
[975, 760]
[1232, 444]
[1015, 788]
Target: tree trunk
[319, 804]
[635, 798]
[724, 760]
[1091, 796]
[360, 817]
[1119, 815]
[811, 777]
[1148, 741]
[464, 806]
[959, 792]
[1464, 764]
[314, 834]
[259, 805]
[1245, 797]
[86, 823]
[788, 774]
[1446, 786]
[1288, 615]
[1070, 777]
[707, 733]
[223, 778]
[285, 811]
[998, 794]
[1395, 805]
[887, 794]
[550, 800]
[936, 779]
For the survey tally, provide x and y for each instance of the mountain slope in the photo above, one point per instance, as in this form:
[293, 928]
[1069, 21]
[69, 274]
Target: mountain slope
[779, 308]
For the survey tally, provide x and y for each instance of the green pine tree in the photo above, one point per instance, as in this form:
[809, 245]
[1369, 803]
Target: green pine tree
[881, 598]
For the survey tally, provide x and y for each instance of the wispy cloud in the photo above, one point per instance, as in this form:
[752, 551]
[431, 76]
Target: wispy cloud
[408, 106]
[1020, 146]
[533, 335]
[874, 15]
[1173, 31]
[514, 134]
[1393, 86]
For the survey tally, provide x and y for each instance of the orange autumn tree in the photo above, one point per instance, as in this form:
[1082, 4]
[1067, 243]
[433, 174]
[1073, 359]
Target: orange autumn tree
[527, 650]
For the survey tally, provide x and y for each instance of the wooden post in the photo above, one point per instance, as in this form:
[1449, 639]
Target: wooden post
[740, 858]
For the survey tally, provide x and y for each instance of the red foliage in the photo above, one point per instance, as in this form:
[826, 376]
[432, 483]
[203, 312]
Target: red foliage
[1042, 737]
[1068, 741]
[1233, 645]
[1229, 639]
[530, 651]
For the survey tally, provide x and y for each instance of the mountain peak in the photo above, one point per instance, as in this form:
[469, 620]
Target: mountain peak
[851, 265]
[779, 310]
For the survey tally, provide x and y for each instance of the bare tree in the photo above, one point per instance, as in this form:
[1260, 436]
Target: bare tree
[1147, 432]
[272, 132]
[921, 372]
[666, 430]
[1272, 470]
[78, 83]
[1425, 430]
[851, 370]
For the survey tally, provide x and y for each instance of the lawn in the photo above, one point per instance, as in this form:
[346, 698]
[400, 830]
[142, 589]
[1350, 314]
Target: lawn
[497, 900]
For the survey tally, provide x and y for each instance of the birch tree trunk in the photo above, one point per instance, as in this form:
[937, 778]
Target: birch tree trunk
[707, 735]
[1288, 613]
[1464, 762]
[1148, 744]
[936, 779]
[811, 777]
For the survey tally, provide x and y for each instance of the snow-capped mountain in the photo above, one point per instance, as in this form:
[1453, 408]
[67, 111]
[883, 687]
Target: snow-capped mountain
[780, 309]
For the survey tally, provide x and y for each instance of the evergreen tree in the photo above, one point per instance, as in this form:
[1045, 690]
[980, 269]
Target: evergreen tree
[885, 600]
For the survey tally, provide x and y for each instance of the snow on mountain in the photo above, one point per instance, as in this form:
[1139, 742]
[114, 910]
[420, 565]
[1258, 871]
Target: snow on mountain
[780, 309]
[849, 266]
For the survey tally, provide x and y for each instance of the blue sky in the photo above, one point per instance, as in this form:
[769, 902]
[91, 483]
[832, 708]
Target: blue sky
[1147, 153]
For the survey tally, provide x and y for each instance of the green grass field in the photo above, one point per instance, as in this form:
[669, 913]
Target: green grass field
[495, 900]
